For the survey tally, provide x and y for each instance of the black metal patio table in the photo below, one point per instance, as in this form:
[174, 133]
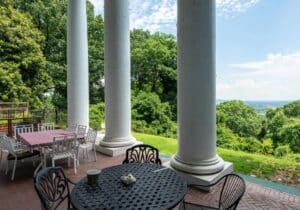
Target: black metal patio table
[156, 187]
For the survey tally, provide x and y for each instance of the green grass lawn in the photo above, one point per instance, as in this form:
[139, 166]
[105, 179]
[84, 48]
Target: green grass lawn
[262, 166]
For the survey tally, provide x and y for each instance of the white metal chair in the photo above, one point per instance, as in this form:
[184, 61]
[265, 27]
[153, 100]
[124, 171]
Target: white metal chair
[63, 148]
[72, 128]
[15, 154]
[89, 143]
[81, 130]
[22, 129]
[46, 127]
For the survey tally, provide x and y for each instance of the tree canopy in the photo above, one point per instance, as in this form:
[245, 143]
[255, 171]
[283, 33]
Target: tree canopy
[241, 119]
[22, 63]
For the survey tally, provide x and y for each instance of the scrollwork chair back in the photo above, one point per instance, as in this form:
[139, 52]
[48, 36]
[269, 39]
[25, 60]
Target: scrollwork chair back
[52, 187]
[142, 154]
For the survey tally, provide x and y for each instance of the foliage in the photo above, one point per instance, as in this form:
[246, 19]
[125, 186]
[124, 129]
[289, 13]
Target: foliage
[292, 109]
[275, 125]
[290, 135]
[262, 166]
[96, 115]
[96, 55]
[153, 65]
[267, 147]
[22, 64]
[150, 115]
[225, 137]
[282, 150]
[249, 144]
[240, 118]
[50, 17]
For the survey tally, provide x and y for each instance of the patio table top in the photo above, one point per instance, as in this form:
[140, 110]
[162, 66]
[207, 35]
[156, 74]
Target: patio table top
[156, 187]
[42, 138]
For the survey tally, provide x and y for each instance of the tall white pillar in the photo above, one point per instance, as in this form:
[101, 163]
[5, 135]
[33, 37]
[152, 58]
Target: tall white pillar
[196, 89]
[77, 59]
[117, 75]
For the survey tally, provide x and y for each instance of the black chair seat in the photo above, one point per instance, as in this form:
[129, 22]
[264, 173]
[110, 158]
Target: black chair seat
[23, 155]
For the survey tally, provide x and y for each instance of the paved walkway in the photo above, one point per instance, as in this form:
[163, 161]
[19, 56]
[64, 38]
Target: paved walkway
[20, 193]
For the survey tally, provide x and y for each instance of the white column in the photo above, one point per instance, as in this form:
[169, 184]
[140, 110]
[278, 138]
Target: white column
[196, 89]
[77, 58]
[117, 74]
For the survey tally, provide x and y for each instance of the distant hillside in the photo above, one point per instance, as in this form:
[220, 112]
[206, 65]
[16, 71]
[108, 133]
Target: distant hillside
[262, 106]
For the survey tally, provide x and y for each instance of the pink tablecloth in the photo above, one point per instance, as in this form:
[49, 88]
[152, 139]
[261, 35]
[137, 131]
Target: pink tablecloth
[41, 138]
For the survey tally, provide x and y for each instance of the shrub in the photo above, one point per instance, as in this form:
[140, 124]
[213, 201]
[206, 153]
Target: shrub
[282, 150]
[249, 145]
[290, 135]
[267, 147]
[225, 137]
[96, 115]
[150, 115]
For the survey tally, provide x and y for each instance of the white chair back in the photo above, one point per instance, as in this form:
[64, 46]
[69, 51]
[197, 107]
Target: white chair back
[64, 144]
[46, 127]
[81, 130]
[91, 136]
[72, 128]
[7, 144]
[22, 129]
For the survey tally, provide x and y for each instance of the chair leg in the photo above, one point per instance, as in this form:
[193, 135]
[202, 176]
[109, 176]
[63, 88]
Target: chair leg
[87, 153]
[75, 163]
[45, 159]
[95, 155]
[6, 171]
[33, 161]
[14, 169]
[0, 158]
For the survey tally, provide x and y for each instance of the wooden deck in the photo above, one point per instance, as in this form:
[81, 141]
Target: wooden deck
[20, 194]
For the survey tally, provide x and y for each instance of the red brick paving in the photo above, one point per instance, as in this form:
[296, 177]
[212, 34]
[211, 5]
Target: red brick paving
[20, 194]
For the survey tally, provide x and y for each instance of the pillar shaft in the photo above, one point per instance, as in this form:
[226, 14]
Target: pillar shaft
[196, 88]
[77, 59]
[117, 74]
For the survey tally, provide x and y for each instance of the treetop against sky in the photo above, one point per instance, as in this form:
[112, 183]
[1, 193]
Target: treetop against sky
[258, 51]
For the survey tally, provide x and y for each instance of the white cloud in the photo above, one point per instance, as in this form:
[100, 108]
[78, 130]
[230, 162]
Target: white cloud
[160, 15]
[275, 78]
[229, 8]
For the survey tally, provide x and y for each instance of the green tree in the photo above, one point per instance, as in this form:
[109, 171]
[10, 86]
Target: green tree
[50, 17]
[21, 59]
[154, 64]
[292, 109]
[240, 118]
[150, 115]
[275, 124]
[96, 55]
[290, 135]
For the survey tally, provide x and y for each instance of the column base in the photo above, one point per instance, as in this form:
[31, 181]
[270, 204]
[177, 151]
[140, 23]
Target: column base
[114, 148]
[117, 142]
[205, 179]
[209, 166]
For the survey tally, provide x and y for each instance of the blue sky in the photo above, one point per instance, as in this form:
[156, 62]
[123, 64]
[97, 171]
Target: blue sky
[258, 44]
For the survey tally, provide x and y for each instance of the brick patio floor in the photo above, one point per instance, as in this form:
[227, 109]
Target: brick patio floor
[20, 194]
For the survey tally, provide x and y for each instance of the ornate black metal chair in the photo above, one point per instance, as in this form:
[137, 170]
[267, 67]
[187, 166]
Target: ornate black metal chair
[142, 154]
[52, 187]
[231, 189]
